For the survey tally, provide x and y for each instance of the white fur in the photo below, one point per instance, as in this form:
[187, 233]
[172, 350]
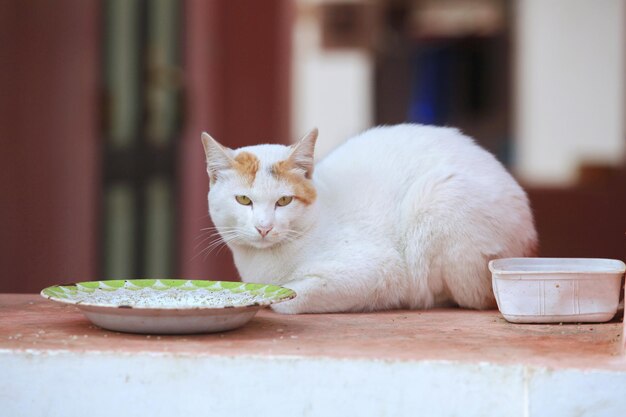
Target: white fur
[406, 216]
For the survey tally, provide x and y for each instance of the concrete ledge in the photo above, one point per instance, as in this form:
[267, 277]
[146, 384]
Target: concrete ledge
[106, 384]
[434, 363]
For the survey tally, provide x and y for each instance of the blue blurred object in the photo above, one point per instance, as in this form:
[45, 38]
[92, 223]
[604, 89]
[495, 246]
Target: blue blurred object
[432, 77]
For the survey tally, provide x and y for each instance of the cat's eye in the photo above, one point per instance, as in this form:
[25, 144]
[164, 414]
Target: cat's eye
[243, 200]
[283, 201]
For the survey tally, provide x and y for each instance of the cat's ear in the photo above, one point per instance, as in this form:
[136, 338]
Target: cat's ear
[302, 154]
[218, 157]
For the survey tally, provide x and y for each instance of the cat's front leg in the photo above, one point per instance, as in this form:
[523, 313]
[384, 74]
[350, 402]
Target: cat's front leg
[308, 291]
[354, 282]
[316, 294]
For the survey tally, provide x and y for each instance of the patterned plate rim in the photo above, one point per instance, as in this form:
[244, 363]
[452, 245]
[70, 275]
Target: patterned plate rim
[62, 293]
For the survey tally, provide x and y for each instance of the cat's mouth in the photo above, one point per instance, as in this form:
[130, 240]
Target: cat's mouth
[267, 240]
[257, 240]
[263, 242]
[271, 239]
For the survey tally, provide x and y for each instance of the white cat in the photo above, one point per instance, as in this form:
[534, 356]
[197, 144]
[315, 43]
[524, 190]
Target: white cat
[404, 216]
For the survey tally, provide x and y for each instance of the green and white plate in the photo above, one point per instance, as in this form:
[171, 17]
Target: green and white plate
[168, 306]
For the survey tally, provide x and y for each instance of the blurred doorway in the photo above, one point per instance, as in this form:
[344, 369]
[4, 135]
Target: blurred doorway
[142, 123]
[102, 107]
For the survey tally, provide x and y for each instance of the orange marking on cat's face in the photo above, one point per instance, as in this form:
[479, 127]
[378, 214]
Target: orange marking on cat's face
[303, 188]
[247, 165]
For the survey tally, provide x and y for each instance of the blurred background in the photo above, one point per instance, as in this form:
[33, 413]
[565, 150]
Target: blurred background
[102, 103]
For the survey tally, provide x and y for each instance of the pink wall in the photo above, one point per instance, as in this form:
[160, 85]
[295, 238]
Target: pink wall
[49, 142]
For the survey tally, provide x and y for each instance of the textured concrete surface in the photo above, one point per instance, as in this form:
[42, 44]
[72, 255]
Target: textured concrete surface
[401, 363]
[31, 322]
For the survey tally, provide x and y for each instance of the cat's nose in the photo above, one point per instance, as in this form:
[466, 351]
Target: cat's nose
[263, 231]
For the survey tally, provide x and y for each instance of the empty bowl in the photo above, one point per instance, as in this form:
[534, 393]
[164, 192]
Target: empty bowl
[553, 290]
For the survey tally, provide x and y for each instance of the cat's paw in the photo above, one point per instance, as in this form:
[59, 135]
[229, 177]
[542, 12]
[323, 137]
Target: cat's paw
[307, 296]
[287, 307]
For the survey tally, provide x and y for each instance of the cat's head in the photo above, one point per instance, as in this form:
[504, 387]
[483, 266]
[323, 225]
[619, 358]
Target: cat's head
[261, 195]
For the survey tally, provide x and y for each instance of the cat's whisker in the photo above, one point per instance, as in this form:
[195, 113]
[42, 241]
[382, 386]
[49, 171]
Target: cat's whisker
[221, 244]
[204, 235]
[217, 241]
[220, 248]
[206, 251]
[210, 235]
[222, 228]
[201, 242]
[215, 236]
[211, 244]
[215, 230]
[224, 236]
[211, 231]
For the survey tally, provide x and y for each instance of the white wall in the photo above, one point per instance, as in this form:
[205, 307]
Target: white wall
[570, 77]
[332, 90]
[570, 73]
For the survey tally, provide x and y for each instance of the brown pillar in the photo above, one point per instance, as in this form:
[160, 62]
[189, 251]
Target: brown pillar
[237, 76]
